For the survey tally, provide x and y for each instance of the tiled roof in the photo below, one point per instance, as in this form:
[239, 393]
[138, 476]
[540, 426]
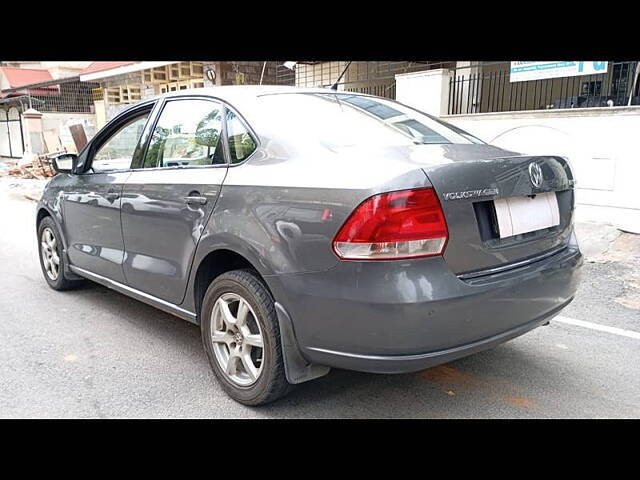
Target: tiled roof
[17, 77]
[101, 66]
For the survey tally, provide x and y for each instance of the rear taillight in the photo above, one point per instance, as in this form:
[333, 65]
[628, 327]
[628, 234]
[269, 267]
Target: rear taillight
[395, 225]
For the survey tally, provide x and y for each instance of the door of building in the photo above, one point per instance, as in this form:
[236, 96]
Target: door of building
[11, 140]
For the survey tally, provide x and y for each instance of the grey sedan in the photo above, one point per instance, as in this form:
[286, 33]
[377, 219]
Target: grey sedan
[304, 229]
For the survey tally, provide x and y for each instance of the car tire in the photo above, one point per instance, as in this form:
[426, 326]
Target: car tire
[50, 249]
[249, 374]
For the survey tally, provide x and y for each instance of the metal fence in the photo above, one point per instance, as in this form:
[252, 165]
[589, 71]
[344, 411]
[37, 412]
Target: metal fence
[374, 78]
[284, 75]
[68, 95]
[485, 87]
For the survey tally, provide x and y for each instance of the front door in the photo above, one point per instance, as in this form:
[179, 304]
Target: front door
[92, 207]
[169, 197]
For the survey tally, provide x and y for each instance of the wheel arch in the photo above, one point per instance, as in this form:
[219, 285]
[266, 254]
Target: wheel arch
[215, 263]
[43, 212]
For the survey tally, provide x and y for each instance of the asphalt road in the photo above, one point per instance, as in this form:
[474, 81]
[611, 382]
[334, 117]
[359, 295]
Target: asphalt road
[94, 353]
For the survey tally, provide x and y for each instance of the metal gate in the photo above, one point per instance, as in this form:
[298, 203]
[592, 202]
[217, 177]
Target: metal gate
[484, 87]
[11, 139]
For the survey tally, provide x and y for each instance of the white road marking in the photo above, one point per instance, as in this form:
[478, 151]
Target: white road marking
[596, 326]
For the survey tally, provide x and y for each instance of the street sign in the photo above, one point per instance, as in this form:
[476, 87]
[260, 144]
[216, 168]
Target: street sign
[523, 71]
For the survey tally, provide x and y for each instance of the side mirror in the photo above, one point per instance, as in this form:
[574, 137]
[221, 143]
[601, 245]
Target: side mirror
[64, 163]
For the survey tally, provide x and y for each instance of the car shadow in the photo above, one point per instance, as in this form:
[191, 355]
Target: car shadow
[486, 384]
[150, 320]
[503, 381]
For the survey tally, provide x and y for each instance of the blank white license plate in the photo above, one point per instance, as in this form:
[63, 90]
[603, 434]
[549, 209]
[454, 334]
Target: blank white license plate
[518, 215]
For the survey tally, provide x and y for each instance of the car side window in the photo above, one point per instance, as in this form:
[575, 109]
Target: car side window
[188, 133]
[241, 143]
[116, 153]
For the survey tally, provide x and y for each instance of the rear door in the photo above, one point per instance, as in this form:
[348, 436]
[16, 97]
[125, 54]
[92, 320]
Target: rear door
[170, 195]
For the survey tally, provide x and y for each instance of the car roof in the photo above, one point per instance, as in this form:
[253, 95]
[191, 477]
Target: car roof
[236, 95]
[244, 92]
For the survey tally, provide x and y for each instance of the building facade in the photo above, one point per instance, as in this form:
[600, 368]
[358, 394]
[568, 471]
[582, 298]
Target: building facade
[123, 83]
[591, 117]
[91, 93]
[588, 112]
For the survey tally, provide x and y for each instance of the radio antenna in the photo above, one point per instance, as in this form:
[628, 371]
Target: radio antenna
[335, 85]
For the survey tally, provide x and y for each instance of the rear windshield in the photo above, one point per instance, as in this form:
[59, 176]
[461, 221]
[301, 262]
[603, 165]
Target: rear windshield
[341, 120]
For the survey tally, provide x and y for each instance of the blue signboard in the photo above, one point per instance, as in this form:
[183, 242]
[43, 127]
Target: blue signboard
[523, 71]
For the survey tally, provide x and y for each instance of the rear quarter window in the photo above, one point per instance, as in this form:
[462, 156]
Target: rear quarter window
[241, 142]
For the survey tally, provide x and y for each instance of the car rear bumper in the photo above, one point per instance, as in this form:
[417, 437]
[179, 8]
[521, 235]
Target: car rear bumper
[403, 316]
[413, 363]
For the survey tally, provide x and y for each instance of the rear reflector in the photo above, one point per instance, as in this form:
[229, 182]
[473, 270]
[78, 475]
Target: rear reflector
[395, 225]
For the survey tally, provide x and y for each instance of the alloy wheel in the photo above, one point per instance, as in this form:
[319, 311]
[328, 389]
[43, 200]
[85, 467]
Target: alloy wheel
[238, 342]
[50, 258]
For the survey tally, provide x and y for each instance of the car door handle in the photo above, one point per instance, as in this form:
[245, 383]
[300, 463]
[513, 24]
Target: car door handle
[195, 200]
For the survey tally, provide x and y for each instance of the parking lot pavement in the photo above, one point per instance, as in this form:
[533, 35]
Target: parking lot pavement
[95, 353]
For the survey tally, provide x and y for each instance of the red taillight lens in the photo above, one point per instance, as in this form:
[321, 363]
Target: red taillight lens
[395, 225]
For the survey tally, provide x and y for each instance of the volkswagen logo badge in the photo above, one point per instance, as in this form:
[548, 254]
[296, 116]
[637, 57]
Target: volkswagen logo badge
[535, 174]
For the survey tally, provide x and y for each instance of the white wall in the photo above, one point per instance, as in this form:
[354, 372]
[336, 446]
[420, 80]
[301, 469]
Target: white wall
[602, 144]
[427, 90]
[60, 122]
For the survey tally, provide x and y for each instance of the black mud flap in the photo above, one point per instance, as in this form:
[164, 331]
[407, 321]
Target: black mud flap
[296, 368]
[68, 274]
